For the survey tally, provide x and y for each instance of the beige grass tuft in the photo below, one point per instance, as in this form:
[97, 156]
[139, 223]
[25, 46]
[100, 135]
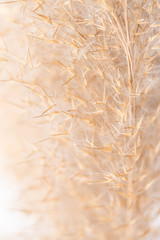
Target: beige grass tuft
[82, 77]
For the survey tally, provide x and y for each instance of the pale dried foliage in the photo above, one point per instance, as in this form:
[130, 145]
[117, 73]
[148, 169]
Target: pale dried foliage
[82, 77]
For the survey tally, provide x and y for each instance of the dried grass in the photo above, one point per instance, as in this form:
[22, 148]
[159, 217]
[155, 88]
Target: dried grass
[87, 79]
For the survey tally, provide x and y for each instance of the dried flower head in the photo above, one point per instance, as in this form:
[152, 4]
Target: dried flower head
[82, 77]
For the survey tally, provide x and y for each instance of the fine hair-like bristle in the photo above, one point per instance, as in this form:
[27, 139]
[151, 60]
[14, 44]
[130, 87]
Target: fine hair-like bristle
[82, 77]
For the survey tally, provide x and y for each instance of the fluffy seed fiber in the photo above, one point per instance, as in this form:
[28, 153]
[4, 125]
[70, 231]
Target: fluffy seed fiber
[80, 80]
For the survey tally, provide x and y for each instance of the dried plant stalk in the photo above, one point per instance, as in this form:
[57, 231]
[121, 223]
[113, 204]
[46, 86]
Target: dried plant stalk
[83, 76]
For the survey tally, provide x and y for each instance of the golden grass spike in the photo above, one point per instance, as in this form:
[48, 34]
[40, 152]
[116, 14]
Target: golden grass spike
[79, 119]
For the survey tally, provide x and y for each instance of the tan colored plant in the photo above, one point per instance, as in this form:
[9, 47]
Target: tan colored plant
[84, 76]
